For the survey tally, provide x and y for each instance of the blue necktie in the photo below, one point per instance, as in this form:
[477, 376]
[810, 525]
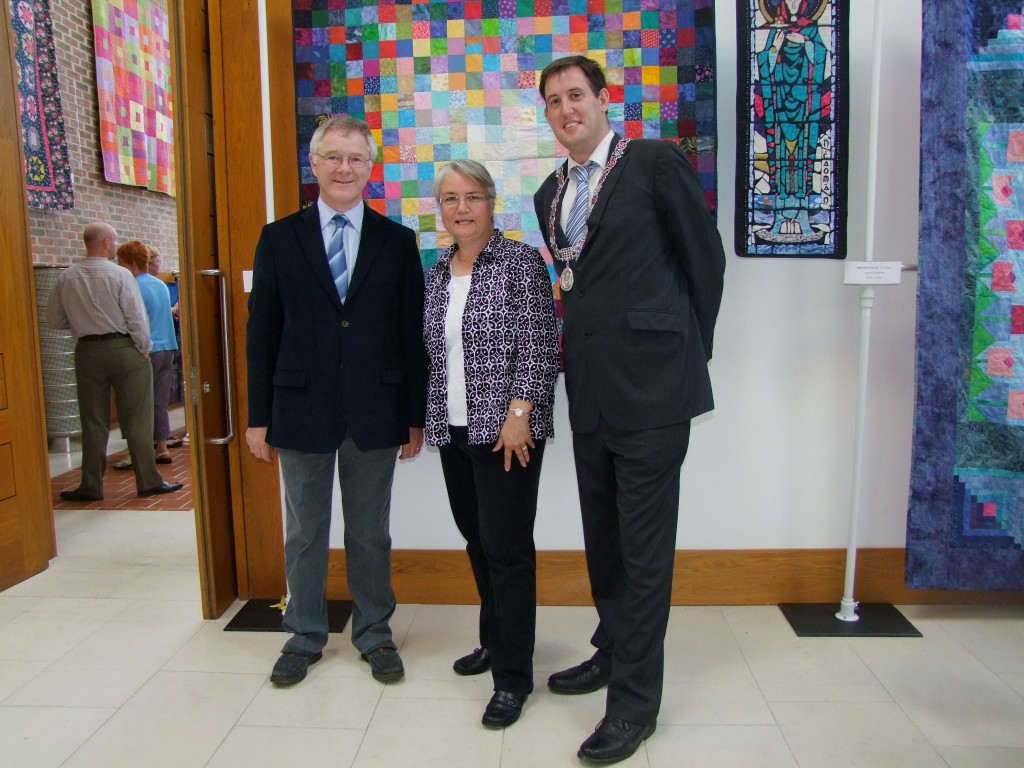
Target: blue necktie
[336, 256]
[577, 220]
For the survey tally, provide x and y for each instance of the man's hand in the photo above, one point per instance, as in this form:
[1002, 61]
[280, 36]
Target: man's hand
[412, 448]
[256, 438]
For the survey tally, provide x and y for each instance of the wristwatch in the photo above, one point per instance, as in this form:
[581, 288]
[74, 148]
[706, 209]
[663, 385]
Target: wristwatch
[520, 412]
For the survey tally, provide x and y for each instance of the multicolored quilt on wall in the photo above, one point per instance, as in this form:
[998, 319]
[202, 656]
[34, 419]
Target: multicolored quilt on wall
[964, 527]
[47, 165]
[133, 87]
[791, 150]
[440, 80]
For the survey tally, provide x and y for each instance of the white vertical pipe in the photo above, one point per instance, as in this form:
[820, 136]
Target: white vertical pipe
[268, 145]
[848, 606]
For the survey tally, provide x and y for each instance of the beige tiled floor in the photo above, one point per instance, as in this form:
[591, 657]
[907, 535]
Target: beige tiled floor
[105, 661]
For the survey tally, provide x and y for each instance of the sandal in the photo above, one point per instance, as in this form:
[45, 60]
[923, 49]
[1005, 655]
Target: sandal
[164, 458]
[175, 443]
[123, 464]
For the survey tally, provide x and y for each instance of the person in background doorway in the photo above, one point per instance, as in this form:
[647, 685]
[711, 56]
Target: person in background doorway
[100, 302]
[139, 259]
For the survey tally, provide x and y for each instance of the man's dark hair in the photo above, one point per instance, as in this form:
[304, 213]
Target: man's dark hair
[591, 70]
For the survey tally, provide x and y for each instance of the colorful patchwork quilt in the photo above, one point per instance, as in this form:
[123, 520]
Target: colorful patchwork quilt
[133, 87]
[438, 81]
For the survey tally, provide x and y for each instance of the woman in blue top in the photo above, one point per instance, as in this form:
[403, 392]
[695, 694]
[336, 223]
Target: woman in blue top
[135, 256]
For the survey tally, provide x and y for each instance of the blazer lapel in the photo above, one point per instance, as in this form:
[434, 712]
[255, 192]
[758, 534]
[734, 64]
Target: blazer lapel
[594, 220]
[311, 241]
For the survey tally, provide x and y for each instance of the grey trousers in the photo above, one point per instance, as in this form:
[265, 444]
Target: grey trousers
[365, 478]
[115, 365]
[163, 369]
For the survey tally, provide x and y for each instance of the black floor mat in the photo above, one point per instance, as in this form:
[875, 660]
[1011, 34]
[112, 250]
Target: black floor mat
[265, 616]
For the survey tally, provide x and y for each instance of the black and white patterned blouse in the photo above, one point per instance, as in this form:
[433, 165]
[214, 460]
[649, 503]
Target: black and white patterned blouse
[509, 340]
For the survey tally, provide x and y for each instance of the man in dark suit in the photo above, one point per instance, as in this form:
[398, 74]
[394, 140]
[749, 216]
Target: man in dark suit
[337, 369]
[640, 266]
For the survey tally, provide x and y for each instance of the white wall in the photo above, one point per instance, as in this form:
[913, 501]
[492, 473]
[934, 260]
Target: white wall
[772, 466]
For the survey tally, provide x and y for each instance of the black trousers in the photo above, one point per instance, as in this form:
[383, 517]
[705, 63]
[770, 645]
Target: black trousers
[629, 499]
[495, 511]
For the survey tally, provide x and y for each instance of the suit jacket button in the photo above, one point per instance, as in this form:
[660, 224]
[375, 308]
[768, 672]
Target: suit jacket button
[344, 323]
[587, 334]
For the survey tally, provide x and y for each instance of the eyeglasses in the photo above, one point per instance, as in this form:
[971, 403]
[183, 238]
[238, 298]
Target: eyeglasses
[473, 198]
[335, 161]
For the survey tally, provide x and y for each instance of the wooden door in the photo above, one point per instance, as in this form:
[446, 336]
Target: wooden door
[26, 510]
[222, 208]
[204, 307]
[241, 213]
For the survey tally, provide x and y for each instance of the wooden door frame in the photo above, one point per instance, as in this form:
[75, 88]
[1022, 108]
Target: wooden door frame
[27, 536]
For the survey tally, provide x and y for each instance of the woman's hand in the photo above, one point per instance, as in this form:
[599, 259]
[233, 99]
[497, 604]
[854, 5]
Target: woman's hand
[515, 439]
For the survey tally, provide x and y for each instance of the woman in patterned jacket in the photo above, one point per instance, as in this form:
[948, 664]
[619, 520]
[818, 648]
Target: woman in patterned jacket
[489, 328]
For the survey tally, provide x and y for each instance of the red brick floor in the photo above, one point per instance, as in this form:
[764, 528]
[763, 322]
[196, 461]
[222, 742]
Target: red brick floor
[119, 485]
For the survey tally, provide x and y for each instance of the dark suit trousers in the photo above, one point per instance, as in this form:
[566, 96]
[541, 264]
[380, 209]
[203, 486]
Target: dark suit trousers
[495, 511]
[629, 499]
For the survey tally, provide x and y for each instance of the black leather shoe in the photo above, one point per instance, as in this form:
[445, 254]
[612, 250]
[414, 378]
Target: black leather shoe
[291, 667]
[613, 740]
[77, 495]
[385, 664]
[164, 487]
[585, 678]
[503, 709]
[473, 664]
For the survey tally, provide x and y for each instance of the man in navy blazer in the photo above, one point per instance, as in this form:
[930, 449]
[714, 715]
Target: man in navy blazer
[337, 370]
[641, 278]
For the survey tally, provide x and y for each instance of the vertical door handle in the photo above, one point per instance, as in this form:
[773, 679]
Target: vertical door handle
[228, 388]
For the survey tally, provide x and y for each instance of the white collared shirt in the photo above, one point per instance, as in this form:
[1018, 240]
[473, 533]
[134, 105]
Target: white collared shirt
[599, 156]
[353, 232]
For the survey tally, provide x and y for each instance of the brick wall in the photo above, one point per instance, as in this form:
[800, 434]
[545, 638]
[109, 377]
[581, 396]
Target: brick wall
[134, 212]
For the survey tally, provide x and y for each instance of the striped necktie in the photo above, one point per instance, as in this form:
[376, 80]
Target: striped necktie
[336, 256]
[577, 220]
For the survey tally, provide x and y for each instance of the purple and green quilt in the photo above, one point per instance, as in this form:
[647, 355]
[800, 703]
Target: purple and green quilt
[964, 526]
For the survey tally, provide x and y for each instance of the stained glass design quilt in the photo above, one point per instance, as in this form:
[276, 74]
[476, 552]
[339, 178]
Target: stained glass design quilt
[438, 81]
[791, 152]
[133, 88]
[965, 525]
[47, 164]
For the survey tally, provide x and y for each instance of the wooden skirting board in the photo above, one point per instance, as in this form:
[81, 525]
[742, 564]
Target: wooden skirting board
[723, 577]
